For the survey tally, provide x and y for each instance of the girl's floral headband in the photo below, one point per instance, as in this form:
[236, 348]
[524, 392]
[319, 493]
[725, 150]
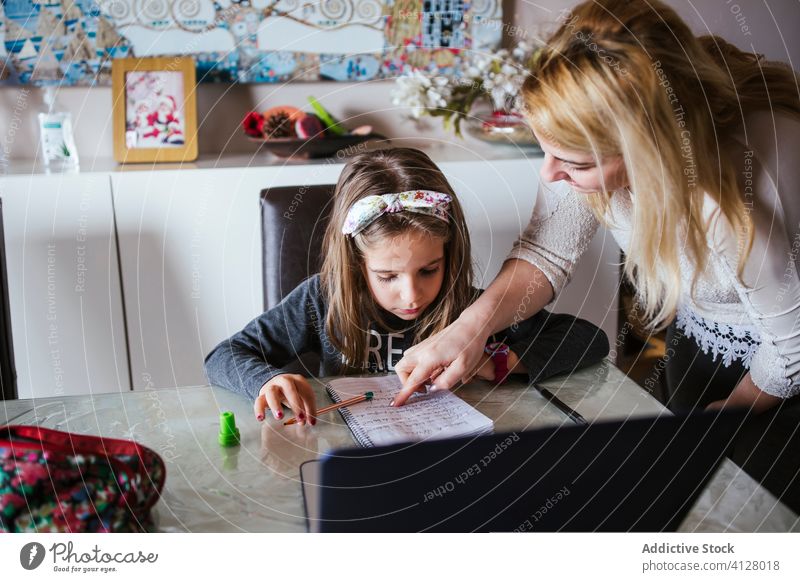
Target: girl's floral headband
[368, 209]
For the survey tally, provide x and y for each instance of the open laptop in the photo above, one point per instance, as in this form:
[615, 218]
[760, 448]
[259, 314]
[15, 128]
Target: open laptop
[634, 475]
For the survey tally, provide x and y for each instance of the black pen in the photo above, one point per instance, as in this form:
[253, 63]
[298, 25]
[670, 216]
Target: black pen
[573, 414]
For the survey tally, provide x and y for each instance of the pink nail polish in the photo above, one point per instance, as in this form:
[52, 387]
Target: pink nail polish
[280, 414]
[313, 421]
[260, 417]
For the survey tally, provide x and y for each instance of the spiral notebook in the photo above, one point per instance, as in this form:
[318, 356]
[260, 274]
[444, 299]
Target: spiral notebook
[374, 423]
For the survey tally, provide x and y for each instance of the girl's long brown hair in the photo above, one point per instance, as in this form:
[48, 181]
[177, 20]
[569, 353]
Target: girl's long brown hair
[351, 307]
[628, 78]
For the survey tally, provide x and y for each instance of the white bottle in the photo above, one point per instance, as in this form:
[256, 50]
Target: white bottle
[55, 132]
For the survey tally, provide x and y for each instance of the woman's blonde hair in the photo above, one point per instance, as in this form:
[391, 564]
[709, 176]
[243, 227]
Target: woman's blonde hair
[622, 77]
[351, 307]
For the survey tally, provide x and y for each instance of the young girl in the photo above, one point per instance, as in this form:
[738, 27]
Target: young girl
[397, 269]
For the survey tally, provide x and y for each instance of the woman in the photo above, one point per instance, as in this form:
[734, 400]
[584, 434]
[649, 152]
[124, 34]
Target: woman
[687, 149]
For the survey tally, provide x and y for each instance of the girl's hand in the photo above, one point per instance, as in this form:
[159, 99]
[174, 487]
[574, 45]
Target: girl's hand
[294, 391]
[457, 350]
[485, 369]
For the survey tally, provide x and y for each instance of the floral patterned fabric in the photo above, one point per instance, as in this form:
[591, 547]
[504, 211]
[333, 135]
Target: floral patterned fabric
[368, 209]
[52, 481]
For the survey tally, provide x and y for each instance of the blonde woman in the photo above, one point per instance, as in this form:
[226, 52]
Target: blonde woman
[687, 149]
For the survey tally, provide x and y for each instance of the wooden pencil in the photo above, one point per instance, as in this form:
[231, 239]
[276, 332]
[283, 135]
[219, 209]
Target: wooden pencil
[348, 402]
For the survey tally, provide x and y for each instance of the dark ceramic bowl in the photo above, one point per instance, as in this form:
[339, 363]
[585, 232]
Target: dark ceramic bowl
[315, 147]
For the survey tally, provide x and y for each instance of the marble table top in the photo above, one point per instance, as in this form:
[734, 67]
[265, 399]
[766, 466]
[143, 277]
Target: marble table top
[255, 487]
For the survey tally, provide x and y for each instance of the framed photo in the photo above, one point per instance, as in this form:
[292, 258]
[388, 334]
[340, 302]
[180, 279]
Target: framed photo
[155, 111]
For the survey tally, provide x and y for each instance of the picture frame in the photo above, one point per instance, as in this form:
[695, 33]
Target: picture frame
[154, 109]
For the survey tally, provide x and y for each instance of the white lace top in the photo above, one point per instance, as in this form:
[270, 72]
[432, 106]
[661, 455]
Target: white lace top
[756, 319]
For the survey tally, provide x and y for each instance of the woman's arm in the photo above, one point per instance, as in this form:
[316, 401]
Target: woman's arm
[518, 292]
[539, 266]
[747, 395]
[769, 287]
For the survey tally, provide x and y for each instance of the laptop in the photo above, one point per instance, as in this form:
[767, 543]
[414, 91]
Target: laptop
[640, 474]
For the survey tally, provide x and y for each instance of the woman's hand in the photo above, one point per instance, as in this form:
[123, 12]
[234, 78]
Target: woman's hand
[453, 355]
[747, 395]
[294, 391]
[455, 351]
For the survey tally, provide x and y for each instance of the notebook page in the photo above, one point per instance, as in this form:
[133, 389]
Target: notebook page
[431, 416]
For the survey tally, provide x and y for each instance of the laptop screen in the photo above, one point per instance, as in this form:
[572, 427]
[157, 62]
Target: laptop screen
[641, 474]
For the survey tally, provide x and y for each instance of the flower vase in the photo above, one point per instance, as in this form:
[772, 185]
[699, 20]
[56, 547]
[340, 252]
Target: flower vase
[502, 127]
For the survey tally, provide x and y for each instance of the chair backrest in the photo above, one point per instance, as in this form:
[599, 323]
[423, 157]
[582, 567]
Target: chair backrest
[293, 223]
[8, 373]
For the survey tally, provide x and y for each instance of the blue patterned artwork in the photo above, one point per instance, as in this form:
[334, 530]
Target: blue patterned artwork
[72, 42]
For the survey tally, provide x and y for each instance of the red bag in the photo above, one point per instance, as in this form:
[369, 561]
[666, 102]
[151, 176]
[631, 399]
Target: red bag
[53, 481]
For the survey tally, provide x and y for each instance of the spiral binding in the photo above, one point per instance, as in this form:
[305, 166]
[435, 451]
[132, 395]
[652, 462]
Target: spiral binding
[358, 431]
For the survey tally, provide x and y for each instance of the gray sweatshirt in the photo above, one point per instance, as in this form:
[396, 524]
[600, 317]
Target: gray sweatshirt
[547, 343]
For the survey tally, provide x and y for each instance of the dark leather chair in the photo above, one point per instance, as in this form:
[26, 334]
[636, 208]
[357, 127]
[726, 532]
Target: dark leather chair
[293, 223]
[8, 373]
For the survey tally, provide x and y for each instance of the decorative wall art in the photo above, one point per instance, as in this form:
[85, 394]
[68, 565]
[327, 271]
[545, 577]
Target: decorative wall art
[72, 42]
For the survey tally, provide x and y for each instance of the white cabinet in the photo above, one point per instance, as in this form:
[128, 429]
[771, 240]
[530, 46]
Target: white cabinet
[64, 290]
[190, 251]
[187, 273]
[497, 198]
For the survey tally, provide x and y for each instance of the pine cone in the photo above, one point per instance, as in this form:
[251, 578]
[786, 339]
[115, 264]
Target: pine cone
[279, 124]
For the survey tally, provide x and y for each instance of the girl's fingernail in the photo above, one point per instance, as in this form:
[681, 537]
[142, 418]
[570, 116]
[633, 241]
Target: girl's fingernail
[279, 415]
[313, 420]
[391, 403]
[260, 417]
[301, 416]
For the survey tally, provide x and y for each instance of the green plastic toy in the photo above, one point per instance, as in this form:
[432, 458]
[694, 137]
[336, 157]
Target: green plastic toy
[228, 433]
